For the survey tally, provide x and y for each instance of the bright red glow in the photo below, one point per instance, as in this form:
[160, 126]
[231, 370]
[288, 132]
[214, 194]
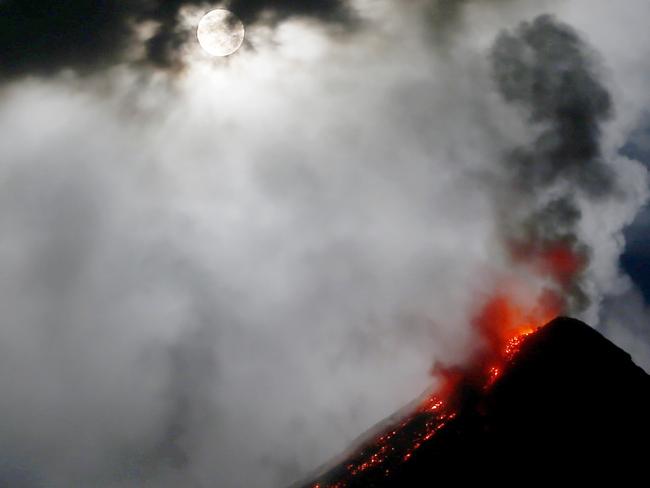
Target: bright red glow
[562, 264]
[503, 320]
[507, 325]
[502, 323]
[557, 261]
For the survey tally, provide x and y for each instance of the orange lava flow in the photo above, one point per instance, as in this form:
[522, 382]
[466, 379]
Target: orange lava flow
[503, 323]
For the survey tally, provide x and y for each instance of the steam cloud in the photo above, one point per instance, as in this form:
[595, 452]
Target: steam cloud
[224, 282]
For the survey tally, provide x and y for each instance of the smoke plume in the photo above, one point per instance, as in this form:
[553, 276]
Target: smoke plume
[546, 71]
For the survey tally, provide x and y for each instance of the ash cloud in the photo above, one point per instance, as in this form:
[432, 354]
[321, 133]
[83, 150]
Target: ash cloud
[545, 69]
[447, 16]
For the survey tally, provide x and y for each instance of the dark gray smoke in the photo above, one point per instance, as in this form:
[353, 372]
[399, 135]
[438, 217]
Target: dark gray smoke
[447, 15]
[546, 69]
[550, 74]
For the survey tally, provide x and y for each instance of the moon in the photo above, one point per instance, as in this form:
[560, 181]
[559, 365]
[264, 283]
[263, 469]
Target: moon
[220, 32]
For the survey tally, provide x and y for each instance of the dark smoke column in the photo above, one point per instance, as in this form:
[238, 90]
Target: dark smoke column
[545, 69]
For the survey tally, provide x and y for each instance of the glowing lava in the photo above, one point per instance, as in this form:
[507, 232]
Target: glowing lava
[506, 326]
[503, 323]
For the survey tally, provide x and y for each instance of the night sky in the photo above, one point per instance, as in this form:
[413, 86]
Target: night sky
[635, 259]
[219, 271]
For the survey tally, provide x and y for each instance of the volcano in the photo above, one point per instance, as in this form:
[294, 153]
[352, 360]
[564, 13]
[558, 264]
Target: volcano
[566, 403]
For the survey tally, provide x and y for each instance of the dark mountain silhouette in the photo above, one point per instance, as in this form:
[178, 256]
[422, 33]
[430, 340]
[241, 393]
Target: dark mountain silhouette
[569, 404]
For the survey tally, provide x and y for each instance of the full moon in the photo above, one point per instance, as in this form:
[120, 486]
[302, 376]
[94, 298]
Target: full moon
[220, 32]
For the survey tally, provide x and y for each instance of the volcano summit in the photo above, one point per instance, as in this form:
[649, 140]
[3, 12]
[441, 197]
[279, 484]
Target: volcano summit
[567, 403]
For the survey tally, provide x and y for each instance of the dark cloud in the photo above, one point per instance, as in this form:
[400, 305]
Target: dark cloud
[42, 37]
[446, 16]
[162, 48]
[328, 10]
[544, 68]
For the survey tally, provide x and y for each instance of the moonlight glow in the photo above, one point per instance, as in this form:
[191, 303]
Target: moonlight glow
[220, 32]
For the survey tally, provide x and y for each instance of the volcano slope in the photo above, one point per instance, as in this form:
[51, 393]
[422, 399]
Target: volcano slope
[568, 404]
